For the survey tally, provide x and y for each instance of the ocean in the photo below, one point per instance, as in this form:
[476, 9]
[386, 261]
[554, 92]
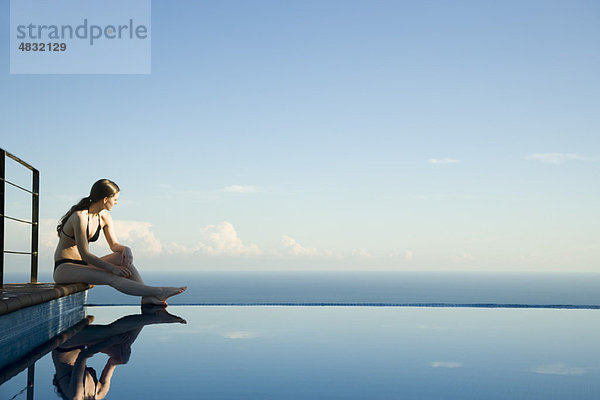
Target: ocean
[370, 288]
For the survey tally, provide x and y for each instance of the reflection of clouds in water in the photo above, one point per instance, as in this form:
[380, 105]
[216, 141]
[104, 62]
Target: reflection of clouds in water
[561, 368]
[207, 330]
[240, 335]
[213, 330]
[455, 328]
[445, 364]
[431, 327]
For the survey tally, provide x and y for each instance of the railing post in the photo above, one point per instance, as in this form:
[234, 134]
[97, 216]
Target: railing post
[2, 177]
[35, 226]
[30, 381]
[35, 214]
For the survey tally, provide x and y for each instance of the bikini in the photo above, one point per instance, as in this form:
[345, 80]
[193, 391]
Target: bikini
[91, 370]
[87, 234]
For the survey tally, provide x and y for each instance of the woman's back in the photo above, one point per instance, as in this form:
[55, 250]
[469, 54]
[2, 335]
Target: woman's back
[67, 244]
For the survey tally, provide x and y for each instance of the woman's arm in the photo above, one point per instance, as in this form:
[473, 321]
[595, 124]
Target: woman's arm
[105, 378]
[113, 243]
[76, 382]
[109, 233]
[80, 228]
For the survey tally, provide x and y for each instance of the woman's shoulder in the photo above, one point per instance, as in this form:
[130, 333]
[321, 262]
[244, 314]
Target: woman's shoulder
[106, 217]
[79, 214]
[78, 217]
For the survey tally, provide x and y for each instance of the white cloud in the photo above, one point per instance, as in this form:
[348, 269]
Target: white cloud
[560, 368]
[179, 249]
[361, 253]
[223, 239]
[445, 364]
[556, 158]
[48, 238]
[293, 248]
[462, 258]
[240, 335]
[139, 236]
[442, 161]
[241, 189]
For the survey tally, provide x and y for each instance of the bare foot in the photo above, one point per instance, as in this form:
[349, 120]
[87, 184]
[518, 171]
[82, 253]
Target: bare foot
[170, 291]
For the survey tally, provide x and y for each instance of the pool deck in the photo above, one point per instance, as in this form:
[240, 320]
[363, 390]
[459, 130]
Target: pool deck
[15, 296]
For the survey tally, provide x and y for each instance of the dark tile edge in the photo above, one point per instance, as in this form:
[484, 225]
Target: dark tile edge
[37, 295]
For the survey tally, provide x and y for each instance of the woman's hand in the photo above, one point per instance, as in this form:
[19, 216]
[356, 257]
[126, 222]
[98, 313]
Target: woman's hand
[121, 271]
[126, 257]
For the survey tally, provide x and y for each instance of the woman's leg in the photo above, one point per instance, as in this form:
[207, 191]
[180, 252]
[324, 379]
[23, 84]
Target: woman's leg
[115, 258]
[71, 273]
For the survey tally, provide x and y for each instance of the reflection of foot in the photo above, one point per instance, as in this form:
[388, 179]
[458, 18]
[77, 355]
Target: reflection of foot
[153, 300]
[163, 315]
[170, 291]
[152, 308]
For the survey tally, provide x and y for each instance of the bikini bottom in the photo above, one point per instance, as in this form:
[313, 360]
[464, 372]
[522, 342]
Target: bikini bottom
[66, 350]
[68, 260]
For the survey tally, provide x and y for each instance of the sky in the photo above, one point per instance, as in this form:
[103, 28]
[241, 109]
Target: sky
[329, 135]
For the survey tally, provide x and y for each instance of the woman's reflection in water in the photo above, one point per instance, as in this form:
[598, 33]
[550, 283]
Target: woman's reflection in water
[74, 380]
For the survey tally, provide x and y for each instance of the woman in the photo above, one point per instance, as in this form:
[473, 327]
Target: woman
[73, 261]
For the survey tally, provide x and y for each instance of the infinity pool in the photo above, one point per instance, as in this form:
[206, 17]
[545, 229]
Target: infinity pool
[277, 352]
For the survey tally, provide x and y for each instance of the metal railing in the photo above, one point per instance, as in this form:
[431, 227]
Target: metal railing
[35, 214]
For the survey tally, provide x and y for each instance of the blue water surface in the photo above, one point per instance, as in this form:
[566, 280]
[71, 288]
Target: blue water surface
[278, 352]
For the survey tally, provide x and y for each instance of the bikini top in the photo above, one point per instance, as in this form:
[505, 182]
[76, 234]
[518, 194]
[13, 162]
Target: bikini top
[87, 231]
[92, 373]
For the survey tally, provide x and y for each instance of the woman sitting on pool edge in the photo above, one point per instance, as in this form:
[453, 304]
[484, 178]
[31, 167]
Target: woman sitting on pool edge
[73, 261]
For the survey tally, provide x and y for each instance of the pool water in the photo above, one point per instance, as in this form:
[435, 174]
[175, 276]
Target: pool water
[298, 352]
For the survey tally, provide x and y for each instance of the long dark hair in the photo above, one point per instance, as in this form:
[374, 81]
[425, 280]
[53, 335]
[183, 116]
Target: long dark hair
[101, 189]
